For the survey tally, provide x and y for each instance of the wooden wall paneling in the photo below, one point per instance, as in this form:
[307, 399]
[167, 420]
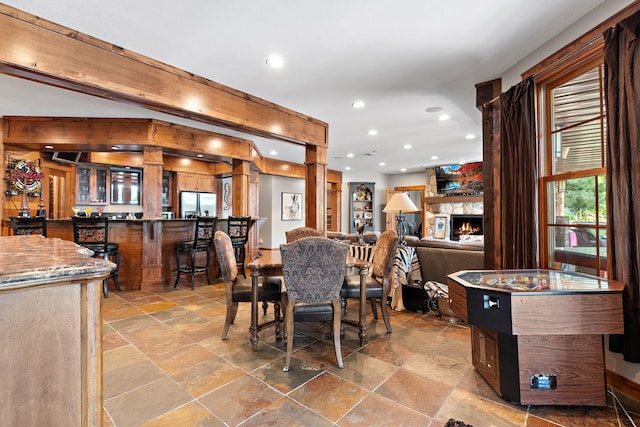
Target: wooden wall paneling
[69, 59]
[129, 235]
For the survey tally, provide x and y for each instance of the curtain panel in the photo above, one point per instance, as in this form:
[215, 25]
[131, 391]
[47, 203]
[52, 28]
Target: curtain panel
[518, 178]
[622, 97]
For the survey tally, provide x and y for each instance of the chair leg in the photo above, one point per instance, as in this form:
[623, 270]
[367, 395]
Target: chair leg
[276, 315]
[193, 270]
[178, 265]
[288, 318]
[232, 309]
[337, 309]
[385, 315]
[373, 308]
[105, 288]
[265, 306]
[206, 268]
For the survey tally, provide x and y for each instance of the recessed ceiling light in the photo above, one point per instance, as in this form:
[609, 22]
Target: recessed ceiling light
[470, 136]
[433, 109]
[403, 170]
[49, 147]
[200, 155]
[348, 168]
[444, 117]
[382, 164]
[408, 146]
[373, 132]
[275, 61]
[434, 157]
[358, 104]
[273, 152]
[113, 147]
[350, 155]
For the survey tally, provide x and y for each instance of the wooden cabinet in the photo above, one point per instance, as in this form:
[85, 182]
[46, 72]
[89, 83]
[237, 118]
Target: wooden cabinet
[361, 205]
[333, 206]
[51, 333]
[195, 182]
[92, 185]
[537, 334]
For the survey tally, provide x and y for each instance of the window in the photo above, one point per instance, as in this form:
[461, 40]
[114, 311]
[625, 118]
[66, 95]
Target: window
[574, 183]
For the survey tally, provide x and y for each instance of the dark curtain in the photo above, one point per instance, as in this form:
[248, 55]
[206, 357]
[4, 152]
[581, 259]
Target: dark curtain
[518, 178]
[622, 96]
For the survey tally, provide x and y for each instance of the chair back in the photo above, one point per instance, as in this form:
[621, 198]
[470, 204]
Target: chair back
[386, 248]
[300, 232]
[91, 231]
[29, 225]
[226, 257]
[238, 229]
[204, 231]
[314, 269]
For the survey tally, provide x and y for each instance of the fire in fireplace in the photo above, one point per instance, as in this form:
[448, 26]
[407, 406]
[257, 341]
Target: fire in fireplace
[466, 225]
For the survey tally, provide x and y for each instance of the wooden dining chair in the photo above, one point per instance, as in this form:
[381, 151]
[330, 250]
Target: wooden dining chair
[300, 232]
[238, 231]
[379, 281]
[29, 225]
[314, 270]
[93, 233]
[202, 241]
[239, 290]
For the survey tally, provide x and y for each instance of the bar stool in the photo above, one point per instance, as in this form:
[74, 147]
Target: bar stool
[93, 233]
[29, 225]
[238, 231]
[201, 242]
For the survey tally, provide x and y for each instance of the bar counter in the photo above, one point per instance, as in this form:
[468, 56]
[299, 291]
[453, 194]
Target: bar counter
[147, 249]
[51, 363]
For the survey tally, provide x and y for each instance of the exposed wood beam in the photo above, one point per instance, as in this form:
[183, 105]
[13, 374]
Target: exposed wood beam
[45, 52]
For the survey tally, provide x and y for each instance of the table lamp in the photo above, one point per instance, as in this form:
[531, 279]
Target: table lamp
[400, 202]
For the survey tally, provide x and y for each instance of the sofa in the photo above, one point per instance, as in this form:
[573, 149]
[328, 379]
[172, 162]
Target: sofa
[437, 259]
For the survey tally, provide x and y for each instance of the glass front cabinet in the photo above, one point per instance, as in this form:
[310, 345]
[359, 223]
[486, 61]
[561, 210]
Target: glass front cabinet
[92, 185]
[361, 206]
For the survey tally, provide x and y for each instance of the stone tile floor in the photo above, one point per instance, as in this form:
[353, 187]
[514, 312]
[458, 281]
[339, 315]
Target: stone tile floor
[165, 365]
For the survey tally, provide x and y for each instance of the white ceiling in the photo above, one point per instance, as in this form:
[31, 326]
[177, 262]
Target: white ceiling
[400, 57]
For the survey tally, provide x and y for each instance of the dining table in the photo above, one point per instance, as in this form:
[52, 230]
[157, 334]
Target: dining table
[269, 263]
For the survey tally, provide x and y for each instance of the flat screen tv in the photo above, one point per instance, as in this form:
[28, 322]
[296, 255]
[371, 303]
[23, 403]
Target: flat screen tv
[459, 179]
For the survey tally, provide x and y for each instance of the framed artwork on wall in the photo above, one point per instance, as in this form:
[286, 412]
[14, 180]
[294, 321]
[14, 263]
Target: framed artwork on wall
[291, 206]
[440, 226]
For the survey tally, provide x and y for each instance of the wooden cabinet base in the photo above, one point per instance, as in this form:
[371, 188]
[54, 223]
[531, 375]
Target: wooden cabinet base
[570, 368]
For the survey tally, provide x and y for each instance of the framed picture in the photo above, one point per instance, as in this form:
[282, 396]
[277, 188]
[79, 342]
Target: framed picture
[368, 215]
[440, 226]
[291, 206]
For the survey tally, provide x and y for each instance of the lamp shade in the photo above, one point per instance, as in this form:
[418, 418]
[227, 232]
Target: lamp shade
[400, 202]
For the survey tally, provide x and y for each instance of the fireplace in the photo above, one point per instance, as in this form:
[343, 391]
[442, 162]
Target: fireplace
[465, 225]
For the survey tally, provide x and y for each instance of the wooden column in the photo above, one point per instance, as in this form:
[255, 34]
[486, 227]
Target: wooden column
[491, 122]
[240, 188]
[152, 230]
[316, 187]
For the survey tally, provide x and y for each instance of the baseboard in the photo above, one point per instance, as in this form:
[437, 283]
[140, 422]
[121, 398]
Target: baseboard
[623, 384]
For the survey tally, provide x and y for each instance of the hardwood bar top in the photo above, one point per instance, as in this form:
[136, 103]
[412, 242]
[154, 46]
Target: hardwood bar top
[34, 260]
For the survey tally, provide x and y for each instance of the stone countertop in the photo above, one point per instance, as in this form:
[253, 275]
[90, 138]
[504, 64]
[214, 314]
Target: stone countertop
[34, 260]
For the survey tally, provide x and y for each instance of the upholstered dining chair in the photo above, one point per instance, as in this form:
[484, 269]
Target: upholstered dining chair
[29, 225]
[314, 270]
[300, 232]
[379, 281]
[202, 240]
[239, 290]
